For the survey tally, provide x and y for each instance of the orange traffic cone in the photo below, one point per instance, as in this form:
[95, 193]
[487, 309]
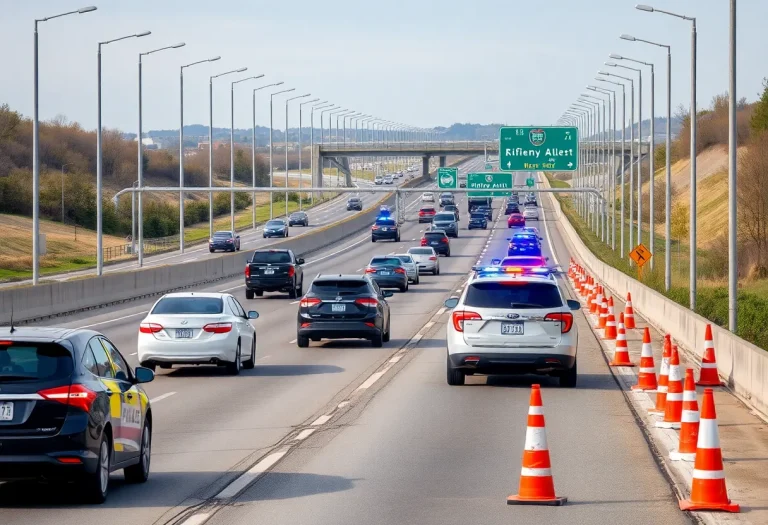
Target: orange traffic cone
[708, 375]
[646, 377]
[689, 426]
[597, 300]
[610, 307]
[708, 491]
[610, 328]
[673, 407]
[536, 484]
[621, 353]
[629, 314]
[602, 319]
[661, 391]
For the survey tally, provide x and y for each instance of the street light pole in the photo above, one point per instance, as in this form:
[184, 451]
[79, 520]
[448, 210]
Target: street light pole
[253, 153]
[313, 168]
[301, 175]
[36, 145]
[286, 150]
[733, 270]
[271, 164]
[181, 147]
[232, 148]
[623, 162]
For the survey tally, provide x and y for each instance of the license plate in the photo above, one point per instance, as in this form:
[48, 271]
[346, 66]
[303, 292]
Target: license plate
[269, 271]
[512, 328]
[338, 308]
[385, 229]
[385, 273]
[183, 333]
[435, 243]
[6, 411]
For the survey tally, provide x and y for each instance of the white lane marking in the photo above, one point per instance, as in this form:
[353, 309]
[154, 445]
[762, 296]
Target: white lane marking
[396, 358]
[441, 311]
[304, 434]
[373, 378]
[429, 325]
[321, 420]
[161, 397]
[230, 289]
[263, 358]
[135, 353]
[115, 319]
[234, 488]
[197, 519]
[292, 341]
[343, 404]
[296, 302]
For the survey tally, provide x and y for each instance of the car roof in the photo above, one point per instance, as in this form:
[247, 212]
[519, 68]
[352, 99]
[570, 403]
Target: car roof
[212, 295]
[39, 333]
[420, 248]
[436, 230]
[491, 278]
[271, 250]
[228, 232]
[341, 276]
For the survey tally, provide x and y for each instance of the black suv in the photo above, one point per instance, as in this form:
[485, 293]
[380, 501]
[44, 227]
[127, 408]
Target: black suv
[343, 307]
[438, 240]
[354, 203]
[274, 271]
[71, 409]
[298, 217]
[511, 207]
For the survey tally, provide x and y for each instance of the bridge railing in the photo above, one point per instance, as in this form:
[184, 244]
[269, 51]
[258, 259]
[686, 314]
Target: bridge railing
[408, 146]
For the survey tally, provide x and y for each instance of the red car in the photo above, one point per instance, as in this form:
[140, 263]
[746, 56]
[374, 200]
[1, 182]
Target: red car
[426, 213]
[515, 220]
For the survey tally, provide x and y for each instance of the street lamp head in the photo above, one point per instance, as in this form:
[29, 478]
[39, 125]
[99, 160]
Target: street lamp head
[143, 33]
[611, 64]
[240, 70]
[214, 59]
[626, 37]
[646, 8]
[180, 44]
[615, 56]
[86, 9]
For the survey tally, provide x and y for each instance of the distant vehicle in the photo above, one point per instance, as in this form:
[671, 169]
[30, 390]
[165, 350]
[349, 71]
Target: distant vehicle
[355, 203]
[388, 271]
[531, 213]
[426, 213]
[227, 241]
[426, 258]
[343, 307]
[378, 180]
[477, 220]
[217, 331]
[411, 267]
[385, 228]
[275, 228]
[496, 328]
[437, 239]
[511, 207]
[452, 208]
[485, 210]
[446, 198]
[427, 197]
[474, 202]
[298, 218]
[462, 184]
[64, 392]
[274, 271]
[524, 261]
[515, 220]
[524, 244]
[388, 179]
[446, 221]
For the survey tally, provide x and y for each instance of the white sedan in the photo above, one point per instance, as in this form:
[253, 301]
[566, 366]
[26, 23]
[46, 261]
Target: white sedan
[427, 197]
[531, 213]
[198, 329]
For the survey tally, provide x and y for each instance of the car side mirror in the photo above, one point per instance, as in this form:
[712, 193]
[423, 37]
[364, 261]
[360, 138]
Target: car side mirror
[253, 314]
[451, 302]
[387, 293]
[300, 260]
[541, 238]
[496, 261]
[546, 258]
[237, 236]
[143, 375]
[573, 305]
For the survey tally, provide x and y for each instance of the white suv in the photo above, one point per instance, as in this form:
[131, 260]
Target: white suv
[507, 323]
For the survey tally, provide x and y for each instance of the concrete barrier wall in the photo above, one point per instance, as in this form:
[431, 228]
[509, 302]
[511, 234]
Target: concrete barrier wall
[743, 365]
[29, 303]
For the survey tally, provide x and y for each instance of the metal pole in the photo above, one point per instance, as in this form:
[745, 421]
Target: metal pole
[133, 219]
[35, 168]
[210, 156]
[141, 180]
[99, 172]
[271, 177]
[733, 271]
[286, 159]
[181, 159]
[62, 193]
[623, 162]
[631, 164]
[300, 174]
[693, 241]
[652, 168]
[253, 161]
[639, 160]
[668, 175]
[613, 175]
[232, 156]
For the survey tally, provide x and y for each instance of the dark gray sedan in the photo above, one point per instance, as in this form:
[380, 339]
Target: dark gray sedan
[446, 220]
[388, 272]
[276, 228]
[298, 218]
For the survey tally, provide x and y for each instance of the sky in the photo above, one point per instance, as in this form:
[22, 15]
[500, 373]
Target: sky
[418, 62]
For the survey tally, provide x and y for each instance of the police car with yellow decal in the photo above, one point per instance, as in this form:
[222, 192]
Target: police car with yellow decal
[72, 409]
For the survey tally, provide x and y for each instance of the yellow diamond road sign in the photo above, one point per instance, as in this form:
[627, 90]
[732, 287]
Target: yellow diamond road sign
[640, 255]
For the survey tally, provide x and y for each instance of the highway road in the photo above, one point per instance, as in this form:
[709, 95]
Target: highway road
[358, 434]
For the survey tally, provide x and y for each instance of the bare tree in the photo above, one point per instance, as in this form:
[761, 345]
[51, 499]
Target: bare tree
[753, 199]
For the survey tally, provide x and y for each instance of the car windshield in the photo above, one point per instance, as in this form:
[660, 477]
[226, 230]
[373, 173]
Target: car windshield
[189, 305]
[338, 287]
[297, 215]
[444, 217]
[354, 200]
[405, 258]
[476, 216]
[524, 238]
[434, 234]
[427, 209]
[513, 294]
[271, 257]
[385, 261]
[421, 251]
[387, 221]
[523, 261]
[222, 235]
[28, 361]
[275, 224]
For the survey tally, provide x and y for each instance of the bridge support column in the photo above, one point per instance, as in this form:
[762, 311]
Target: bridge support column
[442, 161]
[425, 166]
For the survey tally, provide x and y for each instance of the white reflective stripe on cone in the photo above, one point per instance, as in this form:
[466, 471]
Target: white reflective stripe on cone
[674, 374]
[535, 472]
[708, 474]
[663, 389]
[689, 416]
[648, 370]
[535, 411]
[709, 344]
[674, 396]
[536, 438]
[647, 350]
[708, 435]
[708, 365]
[689, 395]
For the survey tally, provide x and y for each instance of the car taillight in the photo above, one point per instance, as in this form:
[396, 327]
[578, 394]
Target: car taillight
[421, 212]
[444, 239]
[150, 328]
[460, 316]
[291, 271]
[306, 302]
[75, 395]
[374, 227]
[229, 241]
[370, 270]
[367, 301]
[399, 270]
[218, 328]
[210, 239]
[247, 270]
[432, 258]
[565, 318]
[423, 241]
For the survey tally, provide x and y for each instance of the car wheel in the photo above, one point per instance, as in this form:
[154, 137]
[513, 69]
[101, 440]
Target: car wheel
[569, 377]
[373, 239]
[96, 484]
[234, 367]
[300, 290]
[302, 342]
[448, 254]
[386, 336]
[139, 473]
[454, 376]
[265, 235]
[251, 361]
[418, 279]
[404, 288]
[377, 341]
[149, 364]
[249, 294]
[434, 271]
[292, 292]
[258, 293]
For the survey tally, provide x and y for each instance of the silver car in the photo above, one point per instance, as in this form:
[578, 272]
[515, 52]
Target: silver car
[531, 213]
[426, 258]
[411, 267]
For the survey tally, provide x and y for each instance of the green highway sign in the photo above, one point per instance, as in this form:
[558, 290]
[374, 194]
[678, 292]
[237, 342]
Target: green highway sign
[489, 166]
[530, 182]
[544, 148]
[447, 178]
[491, 181]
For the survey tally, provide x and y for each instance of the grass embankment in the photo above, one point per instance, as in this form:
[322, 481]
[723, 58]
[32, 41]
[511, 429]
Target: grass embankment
[711, 297]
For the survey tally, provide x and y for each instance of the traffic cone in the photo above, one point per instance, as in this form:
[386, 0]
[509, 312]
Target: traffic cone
[708, 491]
[611, 311]
[646, 377]
[661, 391]
[673, 408]
[708, 374]
[689, 426]
[610, 328]
[629, 314]
[621, 352]
[536, 484]
[602, 320]
[597, 300]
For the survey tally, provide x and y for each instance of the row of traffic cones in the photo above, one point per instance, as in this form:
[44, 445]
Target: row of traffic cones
[675, 397]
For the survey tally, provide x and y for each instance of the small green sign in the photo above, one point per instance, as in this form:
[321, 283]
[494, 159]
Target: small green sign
[530, 182]
[549, 148]
[489, 166]
[447, 178]
[491, 181]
